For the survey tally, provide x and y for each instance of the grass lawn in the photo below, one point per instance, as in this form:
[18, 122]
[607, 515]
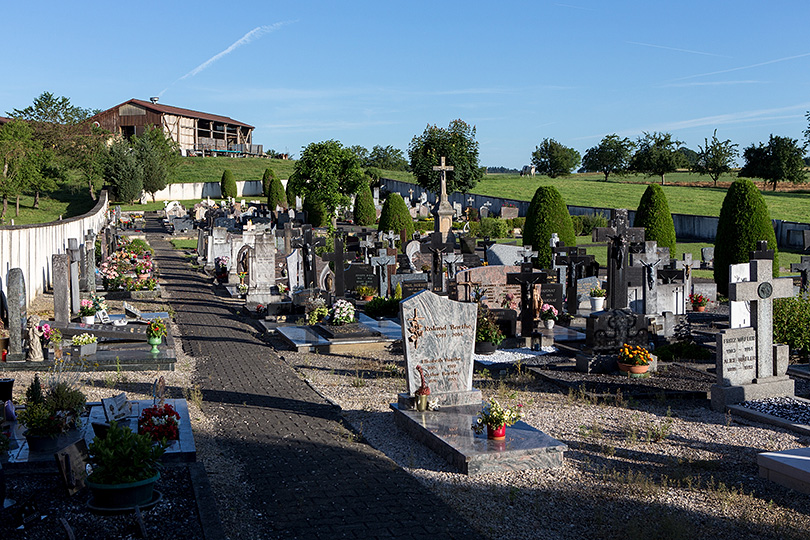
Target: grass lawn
[209, 169]
[65, 203]
[184, 243]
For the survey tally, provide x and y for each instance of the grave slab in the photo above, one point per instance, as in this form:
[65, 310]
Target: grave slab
[448, 433]
[790, 468]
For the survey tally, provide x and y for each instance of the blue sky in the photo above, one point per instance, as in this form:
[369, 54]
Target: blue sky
[372, 73]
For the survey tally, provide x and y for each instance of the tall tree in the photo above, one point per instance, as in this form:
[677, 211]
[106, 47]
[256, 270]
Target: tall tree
[547, 214]
[54, 119]
[158, 155]
[362, 154]
[780, 161]
[554, 159]
[457, 145]
[653, 214]
[387, 158]
[611, 156]
[19, 157]
[365, 214]
[123, 172]
[715, 158]
[327, 172]
[657, 155]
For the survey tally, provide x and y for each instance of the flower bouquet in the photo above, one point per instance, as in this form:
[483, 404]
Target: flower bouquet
[160, 422]
[548, 312]
[87, 308]
[342, 312]
[156, 328]
[496, 417]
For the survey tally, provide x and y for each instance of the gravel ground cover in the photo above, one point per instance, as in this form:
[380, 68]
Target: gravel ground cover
[660, 468]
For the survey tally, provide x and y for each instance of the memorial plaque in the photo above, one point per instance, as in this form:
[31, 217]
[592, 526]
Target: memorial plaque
[412, 287]
[736, 356]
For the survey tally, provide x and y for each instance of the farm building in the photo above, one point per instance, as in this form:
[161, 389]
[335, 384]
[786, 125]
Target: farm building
[196, 132]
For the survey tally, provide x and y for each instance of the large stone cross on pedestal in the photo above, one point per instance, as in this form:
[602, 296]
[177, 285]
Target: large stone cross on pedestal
[443, 211]
[381, 263]
[760, 292]
[620, 234]
[338, 258]
[649, 261]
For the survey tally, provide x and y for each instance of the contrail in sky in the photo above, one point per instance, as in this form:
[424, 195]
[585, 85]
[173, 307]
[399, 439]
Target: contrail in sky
[675, 49]
[256, 33]
[785, 59]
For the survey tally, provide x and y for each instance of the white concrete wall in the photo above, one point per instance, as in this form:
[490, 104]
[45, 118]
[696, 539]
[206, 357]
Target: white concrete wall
[201, 190]
[30, 247]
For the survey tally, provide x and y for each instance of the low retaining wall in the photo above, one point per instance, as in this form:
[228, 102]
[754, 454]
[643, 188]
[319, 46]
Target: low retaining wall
[30, 247]
[201, 190]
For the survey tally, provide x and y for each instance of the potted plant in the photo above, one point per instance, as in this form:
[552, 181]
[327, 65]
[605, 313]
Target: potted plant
[342, 312]
[365, 292]
[597, 297]
[487, 333]
[160, 422]
[634, 359]
[495, 417]
[126, 466]
[316, 310]
[422, 392]
[84, 344]
[53, 337]
[49, 415]
[698, 302]
[549, 315]
[155, 331]
[87, 311]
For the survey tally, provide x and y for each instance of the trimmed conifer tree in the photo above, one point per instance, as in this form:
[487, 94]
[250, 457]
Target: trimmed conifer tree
[395, 216]
[653, 214]
[744, 220]
[227, 184]
[364, 212]
[277, 195]
[315, 211]
[547, 214]
[267, 178]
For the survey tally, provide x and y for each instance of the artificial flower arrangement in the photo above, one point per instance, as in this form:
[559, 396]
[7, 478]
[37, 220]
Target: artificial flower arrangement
[424, 389]
[53, 335]
[222, 262]
[342, 312]
[598, 292]
[494, 415]
[160, 422]
[156, 328]
[509, 301]
[634, 355]
[86, 308]
[241, 288]
[316, 310]
[548, 312]
[83, 339]
[698, 300]
[99, 303]
[282, 288]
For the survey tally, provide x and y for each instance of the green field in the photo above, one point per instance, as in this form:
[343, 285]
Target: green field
[209, 169]
[66, 203]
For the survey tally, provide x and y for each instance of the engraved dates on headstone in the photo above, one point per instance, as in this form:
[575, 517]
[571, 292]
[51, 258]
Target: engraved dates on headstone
[737, 351]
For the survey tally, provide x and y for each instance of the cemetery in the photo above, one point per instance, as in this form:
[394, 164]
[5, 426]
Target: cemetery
[531, 373]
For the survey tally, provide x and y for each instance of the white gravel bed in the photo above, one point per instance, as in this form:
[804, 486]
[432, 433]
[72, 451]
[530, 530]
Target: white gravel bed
[511, 356]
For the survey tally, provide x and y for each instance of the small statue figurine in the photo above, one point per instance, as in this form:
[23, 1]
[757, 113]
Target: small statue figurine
[34, 343]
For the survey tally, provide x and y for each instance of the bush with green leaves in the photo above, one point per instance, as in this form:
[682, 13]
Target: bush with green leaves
[122, 456]
[395, 215]
[315, 211]
[653, 214]
[365, 214]
[547, 214]
[227, 184]
[592, 221]
[517, 223]
[382, 307]
[744, 221]
[791, 323]
[494, 228]
[276, 196]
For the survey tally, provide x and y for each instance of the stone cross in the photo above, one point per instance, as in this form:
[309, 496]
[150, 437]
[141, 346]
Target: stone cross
[443, 169]
[527, 254]
[308, 244]
[410, 194]
[527, 278]
[391, 238]
[452, 260]
[288, 232]
[762, 252]
[620, 235]
[443, 211]
[804, 268]
[649, 261]
[761, 291]
[338, 258]
[381, 262]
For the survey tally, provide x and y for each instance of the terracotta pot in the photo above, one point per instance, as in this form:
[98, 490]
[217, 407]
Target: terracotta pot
[699, 308]
[496, 433]
[634, 369]
[368, 298]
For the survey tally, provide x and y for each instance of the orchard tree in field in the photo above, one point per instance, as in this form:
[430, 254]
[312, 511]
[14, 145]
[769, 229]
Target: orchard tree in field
[387, 158]
[744, 221]
[553, 159]
[20, 156]
[690, 157]
[715, 158]
[547, 214]
[611, 156]
[653, 214]
[458, 145]
[328, 172]
[780, 161]
[123, 172]
[365, 214]
[657, 154]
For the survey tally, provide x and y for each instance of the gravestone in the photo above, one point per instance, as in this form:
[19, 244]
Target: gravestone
[504, 254]
[294, 270]
[360, 275]
[620, 235]
[89, 265]
[527, 278]
[381, 263]
[605, 333]
[486, 243]
[412, 287]
[438, 334]
[75, 260]
[262, 274]
[553, 294]
[804, 270]
[338, 258]
[770, 375]
[649, 261]
[509, 212]
[116, 408]
[739, 312]
[61, 287]
[17, 314]
[707, 257]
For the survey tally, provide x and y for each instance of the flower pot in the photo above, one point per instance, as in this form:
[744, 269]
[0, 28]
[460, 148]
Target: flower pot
[154, 342]
[630, 368]
[121, 496]
[41, 445]
[368, 298]
[485, 347]
[699, 308]
[89, 319]
[597, 303]
[496, 433]
[548, 323]
[421, 403]
[84, 350]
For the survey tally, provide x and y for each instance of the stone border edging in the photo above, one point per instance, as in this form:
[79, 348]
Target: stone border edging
[766, 418]
[206, 504]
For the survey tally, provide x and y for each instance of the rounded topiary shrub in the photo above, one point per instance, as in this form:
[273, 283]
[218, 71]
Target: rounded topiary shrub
[653, 214]
[364, 212]
[315, 211]
[395, 215]
[744, 220]
[277, 196]
[227, 184]
[267, 178]
[547, 214]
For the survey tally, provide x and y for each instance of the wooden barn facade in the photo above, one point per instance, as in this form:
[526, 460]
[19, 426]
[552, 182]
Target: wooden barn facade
[196, 132]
